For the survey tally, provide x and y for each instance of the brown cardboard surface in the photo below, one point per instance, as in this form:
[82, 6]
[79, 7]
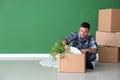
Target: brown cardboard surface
[109, 20]
[109, 54]
[108, 38]
[72, 63]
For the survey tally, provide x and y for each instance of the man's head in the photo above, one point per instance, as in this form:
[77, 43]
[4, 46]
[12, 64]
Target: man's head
[84, 29]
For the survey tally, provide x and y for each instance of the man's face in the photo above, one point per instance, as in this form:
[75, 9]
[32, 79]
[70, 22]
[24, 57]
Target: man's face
[84, 32]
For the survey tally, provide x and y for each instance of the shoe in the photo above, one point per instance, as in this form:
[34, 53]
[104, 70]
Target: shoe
[90, 65]
[93, 65]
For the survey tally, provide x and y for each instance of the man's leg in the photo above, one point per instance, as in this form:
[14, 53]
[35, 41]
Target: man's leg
[89, 60]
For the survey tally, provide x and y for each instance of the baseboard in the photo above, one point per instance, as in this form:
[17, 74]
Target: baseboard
[24, 56]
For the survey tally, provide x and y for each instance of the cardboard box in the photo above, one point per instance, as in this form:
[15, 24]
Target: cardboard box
[109, 20]
[72, 63]
[109, 54]
[108, 38]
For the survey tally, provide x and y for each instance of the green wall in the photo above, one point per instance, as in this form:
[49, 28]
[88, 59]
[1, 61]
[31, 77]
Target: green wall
[32, 26]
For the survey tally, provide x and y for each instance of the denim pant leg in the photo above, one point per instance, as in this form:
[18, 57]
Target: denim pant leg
[90, 58]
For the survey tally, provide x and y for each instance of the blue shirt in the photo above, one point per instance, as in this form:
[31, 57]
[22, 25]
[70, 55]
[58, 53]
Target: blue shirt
[80, 43]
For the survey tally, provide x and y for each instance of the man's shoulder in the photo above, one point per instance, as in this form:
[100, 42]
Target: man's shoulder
[74, 33]
[91, 37]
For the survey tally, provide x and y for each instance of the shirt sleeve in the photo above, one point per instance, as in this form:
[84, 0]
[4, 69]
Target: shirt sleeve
[93, 44]
[70, 37]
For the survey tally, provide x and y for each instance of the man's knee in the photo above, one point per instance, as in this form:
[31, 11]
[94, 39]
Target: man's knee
[91, 58]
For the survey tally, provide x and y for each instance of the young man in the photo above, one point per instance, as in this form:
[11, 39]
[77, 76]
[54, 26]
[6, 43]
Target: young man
[84, 42]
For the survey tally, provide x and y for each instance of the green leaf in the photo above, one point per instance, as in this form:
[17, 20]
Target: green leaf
[58, 48]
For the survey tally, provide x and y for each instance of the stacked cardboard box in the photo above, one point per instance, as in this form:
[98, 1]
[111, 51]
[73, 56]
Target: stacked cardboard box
[108, 38]
[108, 35]
[72, 63]
[109, 20]
[109, 54]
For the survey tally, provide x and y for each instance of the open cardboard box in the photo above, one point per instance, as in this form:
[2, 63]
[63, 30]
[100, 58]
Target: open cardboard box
[72, 63]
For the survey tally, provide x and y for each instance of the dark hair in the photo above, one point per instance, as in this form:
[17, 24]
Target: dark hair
[85, 25]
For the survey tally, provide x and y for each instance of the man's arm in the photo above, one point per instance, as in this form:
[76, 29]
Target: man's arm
[68, 39]
[93, 47]
[65, 45]
[94, 51]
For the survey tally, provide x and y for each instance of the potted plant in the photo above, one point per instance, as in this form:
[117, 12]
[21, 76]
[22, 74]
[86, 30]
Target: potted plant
[58, 48]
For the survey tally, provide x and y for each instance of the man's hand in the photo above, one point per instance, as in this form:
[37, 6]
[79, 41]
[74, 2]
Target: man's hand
[64, 42]
[84, 51]
[67, 47]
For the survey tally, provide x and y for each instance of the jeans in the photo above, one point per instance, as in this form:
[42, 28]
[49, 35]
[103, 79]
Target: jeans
[90, 58]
